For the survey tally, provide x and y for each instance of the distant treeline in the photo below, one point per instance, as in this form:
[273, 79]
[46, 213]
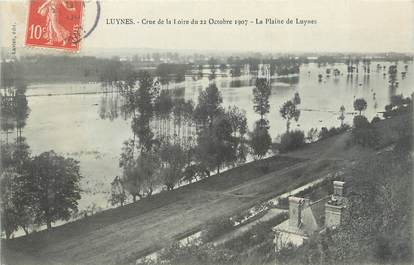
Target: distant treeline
[67, 68]
[50, 69]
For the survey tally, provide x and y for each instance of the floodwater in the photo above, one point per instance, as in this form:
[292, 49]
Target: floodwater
[88, 128]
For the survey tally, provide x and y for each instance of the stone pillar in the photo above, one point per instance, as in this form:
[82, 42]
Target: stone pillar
[339, 189]
[333, 215]
[335, 208]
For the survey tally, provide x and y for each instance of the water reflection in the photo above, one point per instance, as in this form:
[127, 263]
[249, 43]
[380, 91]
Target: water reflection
[336, 87]
[240, 82]
[291, 80]
[112, 107]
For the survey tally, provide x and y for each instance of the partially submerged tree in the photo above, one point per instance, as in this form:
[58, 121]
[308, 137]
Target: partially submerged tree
[398, 105]
[216, 145]
[261, 94]
[238, 121]
[360, 105]
[342, 115]
[140, 174]
[173, 159]
[260, 140]
[208, 106]
[288, 112]
[296, 99]
[118, 194]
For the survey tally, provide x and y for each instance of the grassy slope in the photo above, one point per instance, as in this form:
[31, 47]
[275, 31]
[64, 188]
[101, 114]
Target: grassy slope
[123, 234]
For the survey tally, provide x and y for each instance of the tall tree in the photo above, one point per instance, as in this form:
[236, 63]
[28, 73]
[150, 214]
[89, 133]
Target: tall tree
[188, 115]
[261, 94]
[342, 115]
[216, 145]
[238, 121]
[178, 111]
[208, 106]
[165, 106]
[139, 170]
[296, 99]
[173, 159]
[55, 188]
[260, 140]
[147, 93]
[360, 105]
[141, 175]
[118, 195]
[363, 132]
[16, 202]
[212, 63]
[288, 112]
[14, 108]
[141, 128]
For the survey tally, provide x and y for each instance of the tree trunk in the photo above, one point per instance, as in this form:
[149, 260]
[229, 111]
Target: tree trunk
[179, 130]
[25, 231]
[48, 221]
[134, 198]
[133, 146]
[168, 126]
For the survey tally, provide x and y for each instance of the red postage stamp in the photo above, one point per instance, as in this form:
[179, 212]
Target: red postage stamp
[54, 24]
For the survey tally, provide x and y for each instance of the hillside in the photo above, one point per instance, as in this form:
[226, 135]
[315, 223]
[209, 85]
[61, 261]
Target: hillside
[123, 234]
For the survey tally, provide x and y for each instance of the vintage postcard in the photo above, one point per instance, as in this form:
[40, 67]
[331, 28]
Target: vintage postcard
[184, 132]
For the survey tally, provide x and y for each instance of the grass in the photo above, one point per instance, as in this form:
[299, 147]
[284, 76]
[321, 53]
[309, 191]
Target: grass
[243, 173]
[148, 224]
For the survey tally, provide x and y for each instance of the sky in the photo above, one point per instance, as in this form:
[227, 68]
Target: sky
[342, 25]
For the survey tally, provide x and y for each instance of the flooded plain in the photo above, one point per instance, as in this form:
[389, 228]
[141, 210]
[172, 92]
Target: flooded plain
[80, 121]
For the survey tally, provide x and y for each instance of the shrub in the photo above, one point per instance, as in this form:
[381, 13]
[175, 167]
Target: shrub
[325, 132]
[217, 228]
[261, 232]
[292, 140]
[193, 254]
[312, 135]
[375, 119]
[364, 133]
[260, 141]
[398, 105]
